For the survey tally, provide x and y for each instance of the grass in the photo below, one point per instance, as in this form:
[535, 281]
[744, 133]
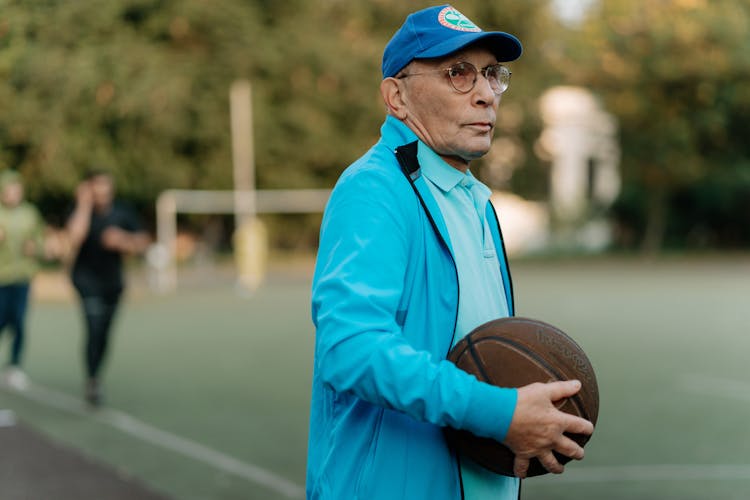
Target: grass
[668, 339]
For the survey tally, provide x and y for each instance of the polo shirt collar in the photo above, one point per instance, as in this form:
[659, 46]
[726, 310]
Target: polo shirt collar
[440, 173]
[396, 133]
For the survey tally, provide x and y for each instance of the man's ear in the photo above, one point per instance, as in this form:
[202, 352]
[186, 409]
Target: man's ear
[390, 89]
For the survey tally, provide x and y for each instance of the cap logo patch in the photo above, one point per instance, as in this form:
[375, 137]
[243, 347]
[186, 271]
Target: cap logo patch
[453, 19]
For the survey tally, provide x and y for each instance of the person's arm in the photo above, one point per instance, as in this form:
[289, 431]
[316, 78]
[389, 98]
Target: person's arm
[127, 235]
[120, 240]
[35, 246]
[78, 225]
[360, 348]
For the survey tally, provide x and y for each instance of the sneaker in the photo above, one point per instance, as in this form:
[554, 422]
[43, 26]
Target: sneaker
[16, 379]
[92, 393]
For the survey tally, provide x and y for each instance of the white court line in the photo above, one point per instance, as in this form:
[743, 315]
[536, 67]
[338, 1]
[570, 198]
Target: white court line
[716, 386]
[7, 418]
[657, 472]
[137, 428]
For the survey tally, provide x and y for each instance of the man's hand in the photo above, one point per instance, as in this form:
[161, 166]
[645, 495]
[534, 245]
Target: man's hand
[538, 426]
[116, 239]
[84, 195]
[119, 240]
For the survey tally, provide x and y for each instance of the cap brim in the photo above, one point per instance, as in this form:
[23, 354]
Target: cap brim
[505, 46]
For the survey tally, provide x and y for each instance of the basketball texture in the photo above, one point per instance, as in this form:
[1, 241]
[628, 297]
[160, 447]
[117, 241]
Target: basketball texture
[513, 352]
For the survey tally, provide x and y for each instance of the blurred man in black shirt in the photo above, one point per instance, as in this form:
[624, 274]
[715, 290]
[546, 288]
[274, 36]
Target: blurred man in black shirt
[101, 231]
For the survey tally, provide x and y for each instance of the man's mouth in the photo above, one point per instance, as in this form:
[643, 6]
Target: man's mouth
[486, 126]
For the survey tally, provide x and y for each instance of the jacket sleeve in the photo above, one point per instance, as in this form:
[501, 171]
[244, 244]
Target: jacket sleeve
[358, 285]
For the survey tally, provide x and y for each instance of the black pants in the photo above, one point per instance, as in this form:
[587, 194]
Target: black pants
[14, 299]
[99, 312]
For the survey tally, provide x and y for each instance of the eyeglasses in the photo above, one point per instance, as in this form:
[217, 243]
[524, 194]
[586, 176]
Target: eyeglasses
[463, 76]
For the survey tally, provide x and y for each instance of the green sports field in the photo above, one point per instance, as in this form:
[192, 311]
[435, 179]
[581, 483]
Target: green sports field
[207, 390]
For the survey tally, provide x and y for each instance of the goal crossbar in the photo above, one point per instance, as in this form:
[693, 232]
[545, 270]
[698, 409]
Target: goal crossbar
[174, 201]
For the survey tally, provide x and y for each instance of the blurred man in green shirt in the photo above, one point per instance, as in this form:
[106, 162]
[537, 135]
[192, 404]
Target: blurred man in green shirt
[21, 245]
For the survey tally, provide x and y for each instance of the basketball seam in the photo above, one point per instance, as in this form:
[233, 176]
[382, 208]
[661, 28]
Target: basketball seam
[475, 357]
[518, 319]
[523, 320]
[565, 336]
[574, 399]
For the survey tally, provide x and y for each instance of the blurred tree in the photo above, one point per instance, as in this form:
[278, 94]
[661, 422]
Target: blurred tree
[141, 86]
[137, 86]
[676, 74]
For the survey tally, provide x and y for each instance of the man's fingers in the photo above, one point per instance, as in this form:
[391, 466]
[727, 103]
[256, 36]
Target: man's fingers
[569, 448]
[550, 463]
[563, 389]
[520, 467]
[577, 425]
[541, 430]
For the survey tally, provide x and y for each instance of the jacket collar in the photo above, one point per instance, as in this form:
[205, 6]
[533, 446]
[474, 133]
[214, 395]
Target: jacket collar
[407, 153]
[395, 133]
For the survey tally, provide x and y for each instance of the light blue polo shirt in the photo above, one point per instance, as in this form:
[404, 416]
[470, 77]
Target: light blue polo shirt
[462, 200]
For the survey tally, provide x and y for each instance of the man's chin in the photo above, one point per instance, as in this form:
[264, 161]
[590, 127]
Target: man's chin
[475, 154]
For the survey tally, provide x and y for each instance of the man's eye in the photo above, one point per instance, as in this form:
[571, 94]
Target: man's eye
[459, 70]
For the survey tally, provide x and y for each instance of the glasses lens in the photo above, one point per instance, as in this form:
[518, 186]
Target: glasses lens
[463, 75]
[498, 76]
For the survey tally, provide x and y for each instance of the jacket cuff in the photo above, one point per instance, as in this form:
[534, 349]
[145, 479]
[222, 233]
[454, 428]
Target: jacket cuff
[492, 410]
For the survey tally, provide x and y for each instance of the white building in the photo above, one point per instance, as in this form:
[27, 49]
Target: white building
[579, 140]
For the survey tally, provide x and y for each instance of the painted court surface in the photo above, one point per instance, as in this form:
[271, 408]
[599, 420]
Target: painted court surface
[32, 466]
[207, 390]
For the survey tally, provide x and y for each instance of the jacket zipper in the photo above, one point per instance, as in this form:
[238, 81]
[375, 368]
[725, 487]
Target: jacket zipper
[405, 154]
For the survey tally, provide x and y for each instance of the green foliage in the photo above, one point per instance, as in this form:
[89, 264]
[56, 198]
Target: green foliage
[141, 86]
[137, 86]
[675, 74]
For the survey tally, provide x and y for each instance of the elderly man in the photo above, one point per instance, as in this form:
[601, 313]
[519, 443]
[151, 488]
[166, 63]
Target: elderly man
[410, 260]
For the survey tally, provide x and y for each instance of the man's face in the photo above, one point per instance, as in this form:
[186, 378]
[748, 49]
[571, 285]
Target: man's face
[459, 127]
[12, 194]
[102, 190]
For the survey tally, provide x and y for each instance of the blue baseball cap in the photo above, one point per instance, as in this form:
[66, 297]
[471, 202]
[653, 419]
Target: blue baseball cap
[439, 31]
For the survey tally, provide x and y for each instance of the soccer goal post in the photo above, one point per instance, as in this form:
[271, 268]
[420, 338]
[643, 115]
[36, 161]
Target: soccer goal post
[162, 257]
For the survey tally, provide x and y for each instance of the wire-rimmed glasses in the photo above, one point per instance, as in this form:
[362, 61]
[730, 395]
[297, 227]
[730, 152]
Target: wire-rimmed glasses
[463, 76]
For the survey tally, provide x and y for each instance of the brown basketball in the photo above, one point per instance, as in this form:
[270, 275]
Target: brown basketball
[513, 352]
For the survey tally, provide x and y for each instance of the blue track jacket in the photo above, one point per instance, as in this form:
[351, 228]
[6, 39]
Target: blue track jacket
[384, 303]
